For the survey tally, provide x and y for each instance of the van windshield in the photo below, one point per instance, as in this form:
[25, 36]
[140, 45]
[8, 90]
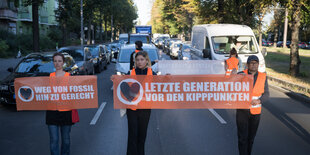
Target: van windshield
[243, 44]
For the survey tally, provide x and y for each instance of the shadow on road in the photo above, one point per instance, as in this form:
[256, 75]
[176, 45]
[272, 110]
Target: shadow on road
[286, 120]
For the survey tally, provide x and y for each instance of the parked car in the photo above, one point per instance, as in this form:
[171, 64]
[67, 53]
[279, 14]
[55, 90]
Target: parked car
[33, 65]
[123, 60]
[99, 57]
[280, 44]
[302, 45]
[270, 43]
[265, 43]
[166, 46]
[145, 38]
[185, 52]
[113, 50]
[82, 58]
[174, 49]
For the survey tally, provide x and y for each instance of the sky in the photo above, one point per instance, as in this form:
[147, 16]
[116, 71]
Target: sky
[145, 7]
[144, 10]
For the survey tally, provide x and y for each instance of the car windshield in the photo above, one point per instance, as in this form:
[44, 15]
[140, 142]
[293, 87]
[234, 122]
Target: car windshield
[144, 39]
[36, 65]
[124, 55]
[77, 54]
[186, 48]
[123, 40]
[94, 50]
[243, 44]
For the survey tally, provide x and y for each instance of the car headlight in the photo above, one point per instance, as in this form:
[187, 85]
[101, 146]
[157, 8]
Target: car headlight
[120, 73]
[4, 87]
[185, 58]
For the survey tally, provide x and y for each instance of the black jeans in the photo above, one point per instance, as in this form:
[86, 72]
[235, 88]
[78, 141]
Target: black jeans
[137, 130]
[247, 125]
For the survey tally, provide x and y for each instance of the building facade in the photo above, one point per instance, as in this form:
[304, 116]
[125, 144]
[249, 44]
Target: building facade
[19, 20]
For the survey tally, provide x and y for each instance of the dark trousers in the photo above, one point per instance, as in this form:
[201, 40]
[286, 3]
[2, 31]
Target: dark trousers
[247, 125]
[137, 129]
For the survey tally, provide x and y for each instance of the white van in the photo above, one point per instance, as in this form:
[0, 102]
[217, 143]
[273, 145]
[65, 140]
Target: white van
[214, 41]
[123, 38]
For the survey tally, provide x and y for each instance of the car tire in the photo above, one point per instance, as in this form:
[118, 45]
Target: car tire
[93, 72]
[98, 68]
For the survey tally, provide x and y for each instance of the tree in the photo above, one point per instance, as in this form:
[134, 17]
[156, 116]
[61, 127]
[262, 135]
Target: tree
[261, 8]
[35, 22]
[295, 7]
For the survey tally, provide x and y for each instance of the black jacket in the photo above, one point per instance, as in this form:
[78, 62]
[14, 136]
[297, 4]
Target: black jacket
[58, 117]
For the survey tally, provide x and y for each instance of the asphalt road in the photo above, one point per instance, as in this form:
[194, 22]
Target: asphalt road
[284, 129]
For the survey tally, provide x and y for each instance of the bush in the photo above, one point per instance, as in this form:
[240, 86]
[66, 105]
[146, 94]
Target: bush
[3, 49]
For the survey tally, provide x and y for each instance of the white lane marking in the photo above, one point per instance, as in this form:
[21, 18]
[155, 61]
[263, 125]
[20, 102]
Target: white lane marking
[217, 116]
[94, 120]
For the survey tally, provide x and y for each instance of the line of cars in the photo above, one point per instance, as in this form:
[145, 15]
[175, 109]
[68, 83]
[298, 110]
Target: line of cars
[86, 60]
[302, 45]
[128, 47]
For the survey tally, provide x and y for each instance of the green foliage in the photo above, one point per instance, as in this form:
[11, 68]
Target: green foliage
[3, 49]
[10, 43]
[97, 12]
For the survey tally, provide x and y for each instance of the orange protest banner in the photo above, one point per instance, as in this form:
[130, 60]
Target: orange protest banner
[56, 93]
[182, 91]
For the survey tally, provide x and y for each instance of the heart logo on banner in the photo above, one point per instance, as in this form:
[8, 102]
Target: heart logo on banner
[26, 93]
[130, 91]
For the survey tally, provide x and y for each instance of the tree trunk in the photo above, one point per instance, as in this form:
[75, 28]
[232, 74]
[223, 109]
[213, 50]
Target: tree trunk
[294, 55]
[220, 11]
[100, 27]
[105, 28]
[88, 32]
[275, 39]
[260, 34]
[35, 25]
[64, 34]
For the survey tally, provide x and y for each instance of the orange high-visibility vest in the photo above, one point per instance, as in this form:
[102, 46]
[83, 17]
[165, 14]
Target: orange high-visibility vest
[133, 72]
[232, 63]
[66, 74]
[258, 91]
[136, 51]
[149, 71]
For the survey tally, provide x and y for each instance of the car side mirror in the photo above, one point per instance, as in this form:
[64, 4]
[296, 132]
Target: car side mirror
[10, 69]
[264, 52]
[206, 53]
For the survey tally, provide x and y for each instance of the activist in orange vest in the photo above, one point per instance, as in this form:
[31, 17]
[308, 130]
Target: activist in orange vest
[233, 63]
[59, 120]
[139, 45]
[248, 119]
[138, 119]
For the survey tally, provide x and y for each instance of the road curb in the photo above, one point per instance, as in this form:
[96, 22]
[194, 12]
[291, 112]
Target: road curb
[294, 95]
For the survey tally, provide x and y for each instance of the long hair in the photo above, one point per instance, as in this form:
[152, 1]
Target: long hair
[145, 55]
[59, 54]
[233, 51]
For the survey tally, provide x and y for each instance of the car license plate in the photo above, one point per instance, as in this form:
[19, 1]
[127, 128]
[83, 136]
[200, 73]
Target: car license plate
[4, 87]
